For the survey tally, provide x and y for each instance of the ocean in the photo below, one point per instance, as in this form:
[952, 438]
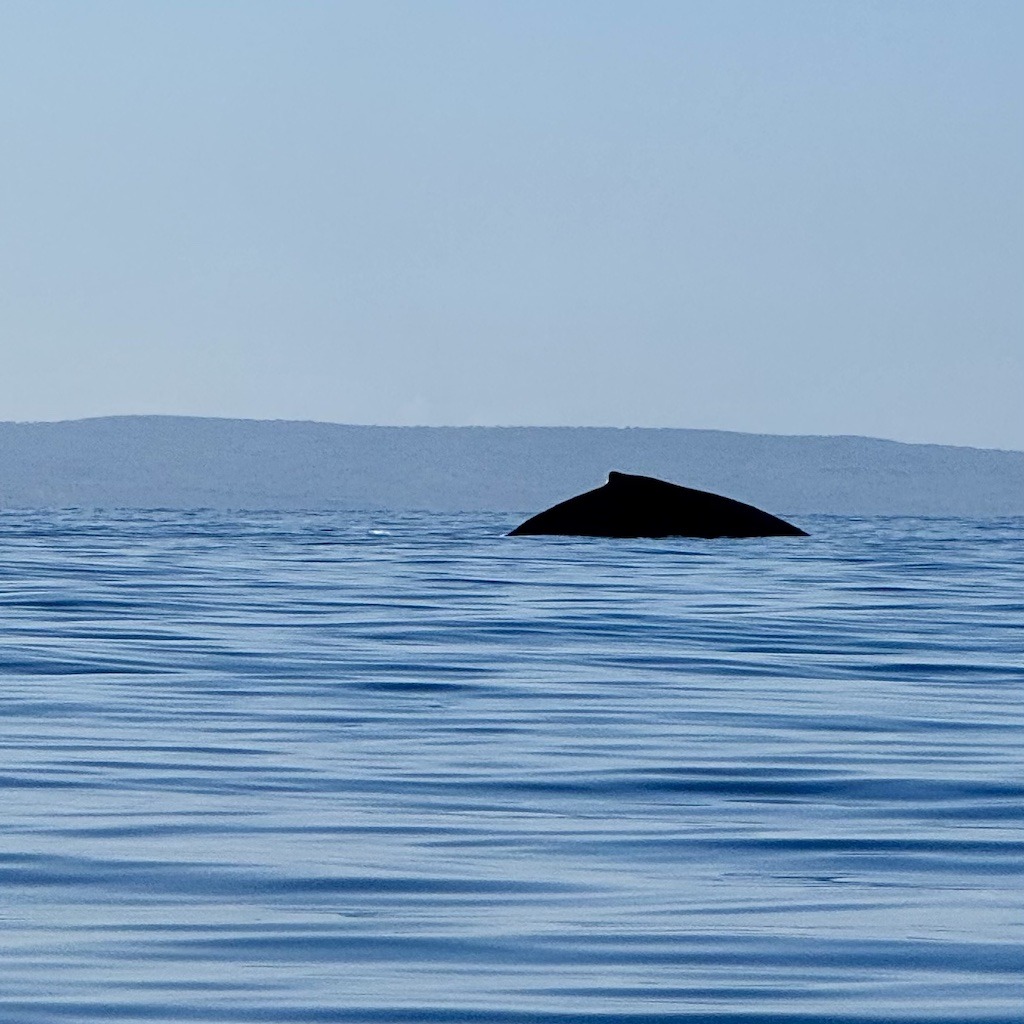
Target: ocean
[397, 767]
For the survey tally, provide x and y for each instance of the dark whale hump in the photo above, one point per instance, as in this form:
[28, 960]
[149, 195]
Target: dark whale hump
[641, 506]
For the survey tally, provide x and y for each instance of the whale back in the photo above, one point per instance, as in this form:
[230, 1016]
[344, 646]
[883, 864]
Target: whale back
[642, 506]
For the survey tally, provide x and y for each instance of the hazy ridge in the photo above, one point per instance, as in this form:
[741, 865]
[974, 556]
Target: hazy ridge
[193, 462]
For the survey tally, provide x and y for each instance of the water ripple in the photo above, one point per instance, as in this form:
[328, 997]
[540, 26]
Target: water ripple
[378, 767]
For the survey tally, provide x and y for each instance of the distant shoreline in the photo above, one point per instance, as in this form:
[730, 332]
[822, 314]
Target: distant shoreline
[192, 462]
[493, 426]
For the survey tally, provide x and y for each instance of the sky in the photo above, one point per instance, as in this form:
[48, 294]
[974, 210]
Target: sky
[759, 215]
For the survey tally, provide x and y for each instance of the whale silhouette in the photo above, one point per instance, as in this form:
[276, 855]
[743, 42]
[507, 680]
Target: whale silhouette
[642, 506]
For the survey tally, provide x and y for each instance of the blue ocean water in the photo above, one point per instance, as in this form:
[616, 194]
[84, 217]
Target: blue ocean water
[379, 767]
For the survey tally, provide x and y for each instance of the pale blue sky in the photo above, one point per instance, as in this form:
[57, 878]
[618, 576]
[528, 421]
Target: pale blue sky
[788, 217]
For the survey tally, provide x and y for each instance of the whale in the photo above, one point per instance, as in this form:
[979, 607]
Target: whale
[629, 505]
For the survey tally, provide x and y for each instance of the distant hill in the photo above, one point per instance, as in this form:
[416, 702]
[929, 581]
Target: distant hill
[187, 462]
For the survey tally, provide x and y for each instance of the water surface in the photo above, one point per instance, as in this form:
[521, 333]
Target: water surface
[380, 767]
